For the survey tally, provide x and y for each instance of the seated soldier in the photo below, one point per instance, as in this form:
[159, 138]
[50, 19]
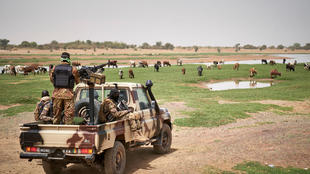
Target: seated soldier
[44, 109]
[110, 112]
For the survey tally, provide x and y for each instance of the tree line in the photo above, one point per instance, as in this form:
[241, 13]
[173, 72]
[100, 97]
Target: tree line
[88, 44]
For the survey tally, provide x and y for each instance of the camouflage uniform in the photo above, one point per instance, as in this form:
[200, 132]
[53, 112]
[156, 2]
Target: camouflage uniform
[44, 115]
[109, 108]
[63, 99]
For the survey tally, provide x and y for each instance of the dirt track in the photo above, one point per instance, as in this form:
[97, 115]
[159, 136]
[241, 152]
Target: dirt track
[265, 137]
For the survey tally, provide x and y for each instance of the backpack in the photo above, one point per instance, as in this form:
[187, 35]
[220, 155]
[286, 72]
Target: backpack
[50, 110]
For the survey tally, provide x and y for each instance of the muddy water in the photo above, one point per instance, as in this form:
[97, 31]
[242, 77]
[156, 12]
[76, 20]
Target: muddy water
[227, 85]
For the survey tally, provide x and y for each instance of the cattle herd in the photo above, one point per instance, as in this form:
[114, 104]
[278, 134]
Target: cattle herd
[36, 69]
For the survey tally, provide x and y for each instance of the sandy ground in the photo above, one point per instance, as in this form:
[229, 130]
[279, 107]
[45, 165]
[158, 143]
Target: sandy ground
[281, 140]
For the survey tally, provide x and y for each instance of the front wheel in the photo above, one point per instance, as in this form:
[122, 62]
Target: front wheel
[52, 167]
[115, 159]
[164, 145]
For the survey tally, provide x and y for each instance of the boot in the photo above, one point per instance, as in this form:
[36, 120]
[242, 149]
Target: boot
[138, 136]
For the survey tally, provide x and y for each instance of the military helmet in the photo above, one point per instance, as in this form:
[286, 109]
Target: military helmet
[45, 93]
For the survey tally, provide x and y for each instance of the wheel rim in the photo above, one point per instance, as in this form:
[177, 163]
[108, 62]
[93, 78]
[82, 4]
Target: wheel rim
[84, 113]
[119, 160]
[165, 139]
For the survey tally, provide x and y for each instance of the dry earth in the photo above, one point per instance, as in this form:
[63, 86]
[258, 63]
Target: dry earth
[265, 137]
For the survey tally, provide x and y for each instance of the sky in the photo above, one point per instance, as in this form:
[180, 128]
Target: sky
[180, 22]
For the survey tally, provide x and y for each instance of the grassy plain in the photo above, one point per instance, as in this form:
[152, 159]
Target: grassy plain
[171, 85]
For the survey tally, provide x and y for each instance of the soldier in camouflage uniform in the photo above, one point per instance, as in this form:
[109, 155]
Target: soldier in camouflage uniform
[110, 112]
[43, 111]
[63, 77]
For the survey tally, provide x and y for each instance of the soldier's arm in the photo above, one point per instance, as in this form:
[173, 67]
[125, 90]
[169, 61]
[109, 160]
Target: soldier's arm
[51, 75]
[44, 114]
[36, 112]
[115, 113]
[76, 75]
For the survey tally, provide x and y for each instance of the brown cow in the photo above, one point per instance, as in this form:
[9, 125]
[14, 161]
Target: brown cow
[76, 64]
[13, 70]
[219, 66]
[183, 71]
[166, 63]
[29, 69]
[112, 63]
[131, 75]
[236, 66]
[253, 72]
[274, 73]
[272, 62]
[143, 64]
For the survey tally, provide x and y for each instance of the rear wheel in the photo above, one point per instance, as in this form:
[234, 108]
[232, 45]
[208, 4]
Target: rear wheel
[115, 159]
[52, 167]
[164, 145]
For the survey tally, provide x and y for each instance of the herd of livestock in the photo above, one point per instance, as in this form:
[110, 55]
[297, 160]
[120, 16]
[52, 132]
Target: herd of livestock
[36, 69]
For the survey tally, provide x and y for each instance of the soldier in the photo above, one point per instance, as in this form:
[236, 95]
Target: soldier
[121, 73]
[110, 112]
[44, 109]
[63, 77]
[199, 69]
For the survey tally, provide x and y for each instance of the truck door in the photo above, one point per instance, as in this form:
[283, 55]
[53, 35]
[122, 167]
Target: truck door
[149, 120]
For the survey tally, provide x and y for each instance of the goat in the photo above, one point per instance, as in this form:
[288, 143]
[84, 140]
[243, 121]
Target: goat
[253, 72]
[132, 64]
[131, 75]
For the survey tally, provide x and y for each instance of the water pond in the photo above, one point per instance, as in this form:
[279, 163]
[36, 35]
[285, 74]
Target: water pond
[227, 85]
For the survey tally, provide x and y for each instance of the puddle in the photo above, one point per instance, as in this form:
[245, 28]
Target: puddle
[226, 85]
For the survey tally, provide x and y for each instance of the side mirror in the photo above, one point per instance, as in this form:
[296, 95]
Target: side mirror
[153, 104]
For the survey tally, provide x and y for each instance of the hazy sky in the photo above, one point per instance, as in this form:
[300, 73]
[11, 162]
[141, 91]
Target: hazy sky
[180, 22]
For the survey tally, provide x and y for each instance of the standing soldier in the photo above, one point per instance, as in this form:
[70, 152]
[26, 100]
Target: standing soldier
[121, 73]
[199, 69]
[63, 77]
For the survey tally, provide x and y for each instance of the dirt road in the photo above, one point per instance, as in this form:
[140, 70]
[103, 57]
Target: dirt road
[265, 137]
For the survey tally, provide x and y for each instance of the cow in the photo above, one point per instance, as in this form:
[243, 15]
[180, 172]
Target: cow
[42, 69]
[272, 62]
[166, 63]
[132, 64]
[183, 71]
[284, 60]
[29, 69]
[274, 73]
[6, 69]
[199, 69]
[143, 64]
[219, 66]
[290, 67]
[253, 72]
[156, 67]
[209, 66]
[131, 75]
[215, 63]
[158, 63]
[306, 66]
[19, 69]
[112, 63]
[295, 62]
[179, 62]
[120, 73]
[12, 70]
[236, 66]
[76, 64]
[264, 61]
[221, 62]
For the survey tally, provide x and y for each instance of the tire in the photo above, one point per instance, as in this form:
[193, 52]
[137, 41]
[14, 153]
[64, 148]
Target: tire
[52, 167]
[115, 159]
[82, 110]
[164, 146]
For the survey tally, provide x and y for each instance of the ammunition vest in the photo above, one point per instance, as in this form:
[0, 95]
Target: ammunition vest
[63, 77]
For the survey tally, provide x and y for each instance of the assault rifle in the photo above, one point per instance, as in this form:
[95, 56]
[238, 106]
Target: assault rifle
[86, 71]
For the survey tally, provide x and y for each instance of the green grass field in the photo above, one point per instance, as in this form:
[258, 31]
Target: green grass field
[170, 85]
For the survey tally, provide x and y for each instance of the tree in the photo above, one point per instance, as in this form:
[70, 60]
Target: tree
[263, 47]
[280, 47]
[33, 44]
[4, 43]
[249, 46]
[169, 46]
[158, 45]
[297, 45]
[307, 46]
[145, 45]
[272, 47]
[88, 42]
[25, 44]
[195, 48]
